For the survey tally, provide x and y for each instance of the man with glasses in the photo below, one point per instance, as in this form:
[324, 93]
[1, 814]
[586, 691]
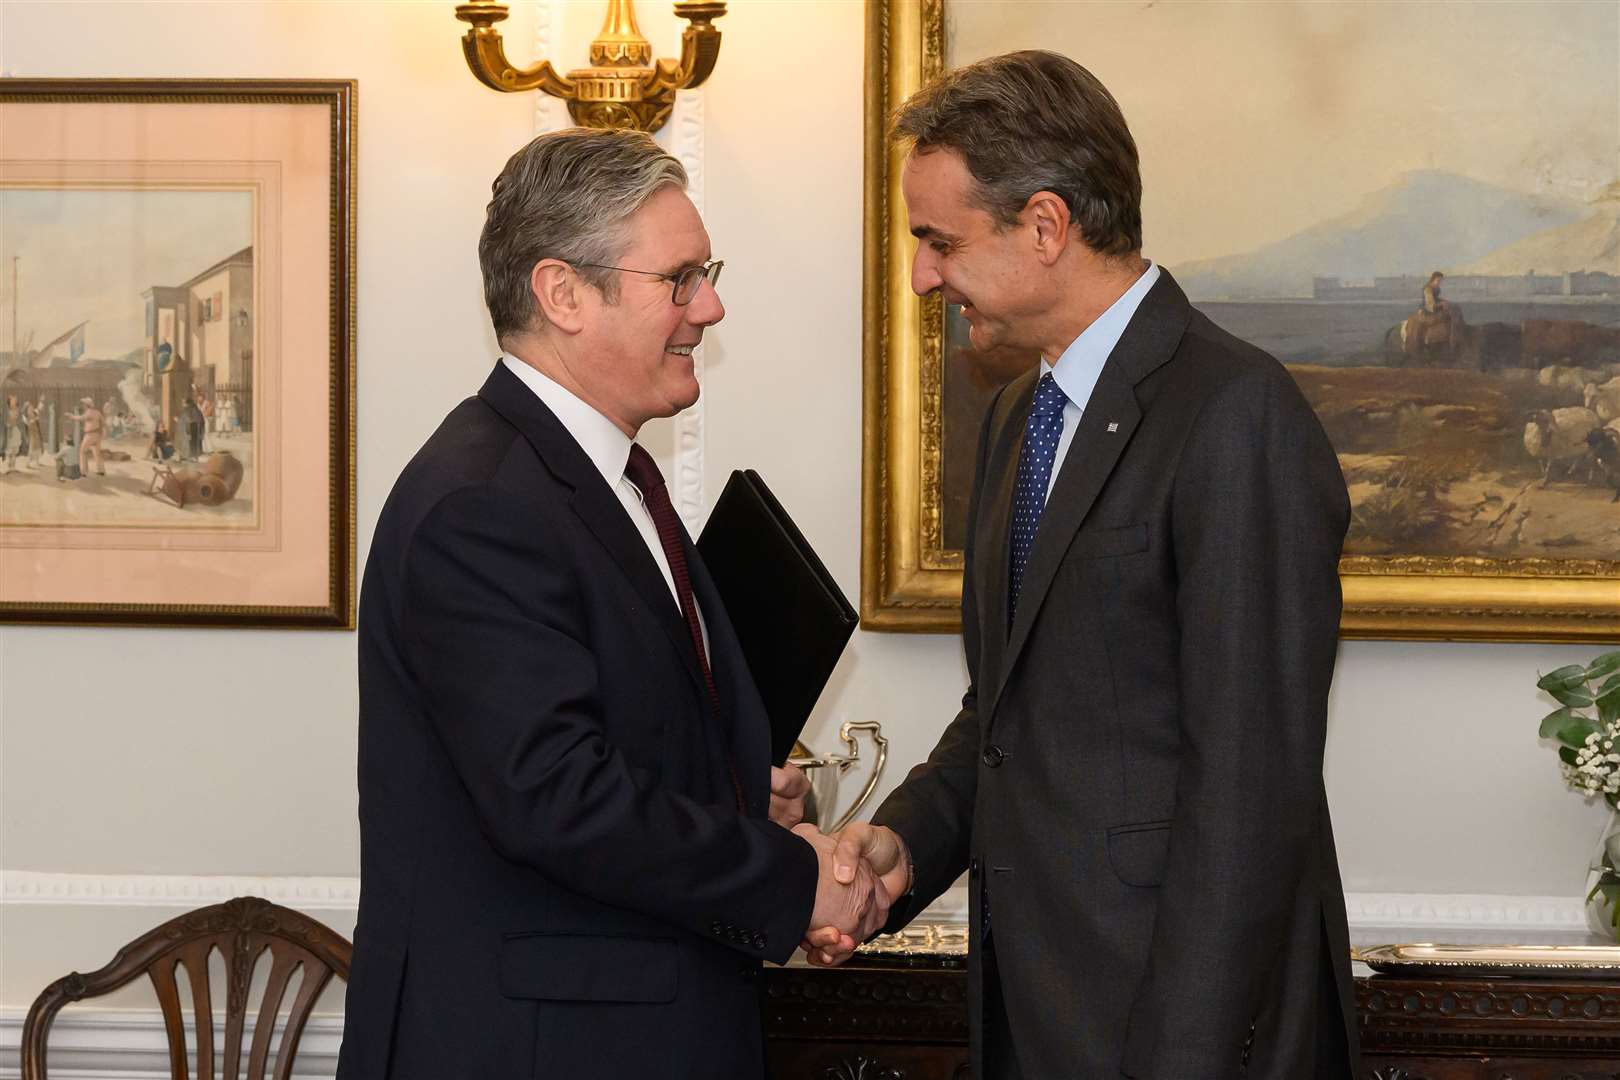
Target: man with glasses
[574, 851]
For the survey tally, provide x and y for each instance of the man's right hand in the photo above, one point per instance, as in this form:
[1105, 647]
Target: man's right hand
[862, 848]
[881, 847]
[857, 905]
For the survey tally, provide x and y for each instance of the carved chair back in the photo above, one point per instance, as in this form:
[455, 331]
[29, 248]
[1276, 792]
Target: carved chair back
[242, 931]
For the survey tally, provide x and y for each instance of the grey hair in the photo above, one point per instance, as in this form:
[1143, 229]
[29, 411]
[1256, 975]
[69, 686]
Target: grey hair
[567, 195]
[1035, 121]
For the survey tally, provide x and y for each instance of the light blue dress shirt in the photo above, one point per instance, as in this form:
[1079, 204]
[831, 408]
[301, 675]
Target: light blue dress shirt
[1078, 369]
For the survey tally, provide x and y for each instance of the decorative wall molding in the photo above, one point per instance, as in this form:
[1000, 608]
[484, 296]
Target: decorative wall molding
[686, 129]
[1507, 918]
[128, 1044]
[550, 113]
[175, 890]
[1380, 918]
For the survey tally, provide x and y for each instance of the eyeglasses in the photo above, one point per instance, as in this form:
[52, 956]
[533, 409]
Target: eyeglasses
[686, 282]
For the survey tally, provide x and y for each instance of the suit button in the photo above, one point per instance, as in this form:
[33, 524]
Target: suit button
[749, 972]
[993, 756]
[759, 942]
[717, 929]
[973, 868]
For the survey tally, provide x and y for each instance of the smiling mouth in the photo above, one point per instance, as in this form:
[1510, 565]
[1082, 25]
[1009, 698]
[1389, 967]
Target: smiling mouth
[681, 350]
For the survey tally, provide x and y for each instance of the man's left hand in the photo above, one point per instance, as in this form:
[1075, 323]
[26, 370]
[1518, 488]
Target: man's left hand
[789, 786]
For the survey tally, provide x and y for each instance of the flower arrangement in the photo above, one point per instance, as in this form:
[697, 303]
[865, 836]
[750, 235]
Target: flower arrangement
[1586, 727]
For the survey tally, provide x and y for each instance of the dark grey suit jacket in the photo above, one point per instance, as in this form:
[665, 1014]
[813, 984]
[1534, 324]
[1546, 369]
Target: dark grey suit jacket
[1135, 778]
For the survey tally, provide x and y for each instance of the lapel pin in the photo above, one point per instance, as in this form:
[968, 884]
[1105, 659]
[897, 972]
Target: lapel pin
[1113, 426]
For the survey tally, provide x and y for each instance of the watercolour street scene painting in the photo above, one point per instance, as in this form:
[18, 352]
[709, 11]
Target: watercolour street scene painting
[126, 359]
[1416, 207]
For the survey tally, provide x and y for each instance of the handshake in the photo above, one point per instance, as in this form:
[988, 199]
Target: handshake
[863, 868]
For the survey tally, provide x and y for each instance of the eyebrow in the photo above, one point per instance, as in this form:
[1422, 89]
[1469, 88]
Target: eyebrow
[928, 232]
[687, 265]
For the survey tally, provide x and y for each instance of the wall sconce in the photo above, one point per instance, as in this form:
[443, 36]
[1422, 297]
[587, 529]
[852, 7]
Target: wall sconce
[624, 87]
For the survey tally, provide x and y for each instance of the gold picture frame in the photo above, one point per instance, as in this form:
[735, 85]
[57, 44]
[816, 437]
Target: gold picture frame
[911, 581]
[216, 485]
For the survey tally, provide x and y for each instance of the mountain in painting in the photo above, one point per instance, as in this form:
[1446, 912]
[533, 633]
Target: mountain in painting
[1590, 244]
[1427, 220]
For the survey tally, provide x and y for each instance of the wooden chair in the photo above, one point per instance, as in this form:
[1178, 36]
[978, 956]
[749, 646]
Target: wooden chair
[242, 930]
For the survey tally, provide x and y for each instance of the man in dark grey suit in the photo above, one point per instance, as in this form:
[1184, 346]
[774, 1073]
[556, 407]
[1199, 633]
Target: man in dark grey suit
[1150, 608]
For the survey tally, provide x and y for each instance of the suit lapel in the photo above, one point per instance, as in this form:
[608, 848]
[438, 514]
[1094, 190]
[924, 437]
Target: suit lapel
[747, 725]
[995, 519]
[1107, 422]
[596, 504]
[599, 508]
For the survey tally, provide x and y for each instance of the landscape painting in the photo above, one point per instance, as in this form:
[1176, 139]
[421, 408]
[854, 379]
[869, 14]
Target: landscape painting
[127, 383]
[1416, 207]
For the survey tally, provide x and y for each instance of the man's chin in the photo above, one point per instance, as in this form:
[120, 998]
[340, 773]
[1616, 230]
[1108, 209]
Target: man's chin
[982, 336]
[685, 397]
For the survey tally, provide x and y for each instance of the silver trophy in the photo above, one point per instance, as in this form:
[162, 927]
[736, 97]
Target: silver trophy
[827, 770]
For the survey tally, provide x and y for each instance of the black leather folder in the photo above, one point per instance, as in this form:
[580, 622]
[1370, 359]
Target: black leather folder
[789, 614]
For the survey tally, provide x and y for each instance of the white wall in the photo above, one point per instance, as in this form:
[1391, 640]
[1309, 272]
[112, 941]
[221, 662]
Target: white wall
[217, 752]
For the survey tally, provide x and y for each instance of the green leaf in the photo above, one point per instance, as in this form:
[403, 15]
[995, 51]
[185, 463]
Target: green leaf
[1607, 664]
[1608, 706]
[1578, 699]
[1566, 754]
[1574, 735]
[1554, 721]
[1565, 678]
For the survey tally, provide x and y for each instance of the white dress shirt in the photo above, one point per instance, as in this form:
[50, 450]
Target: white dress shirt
[609, 450]
[1078, 369]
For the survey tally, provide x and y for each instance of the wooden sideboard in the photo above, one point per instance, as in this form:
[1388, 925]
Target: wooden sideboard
[907, 1020]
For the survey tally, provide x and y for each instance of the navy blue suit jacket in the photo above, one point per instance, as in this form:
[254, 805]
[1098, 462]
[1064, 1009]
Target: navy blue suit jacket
[556, 879]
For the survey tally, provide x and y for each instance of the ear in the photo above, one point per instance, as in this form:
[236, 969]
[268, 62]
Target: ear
[1050, 217]
[560, 294]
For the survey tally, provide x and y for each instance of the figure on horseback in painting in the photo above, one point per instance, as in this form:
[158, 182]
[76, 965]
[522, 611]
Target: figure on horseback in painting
[1433, 332]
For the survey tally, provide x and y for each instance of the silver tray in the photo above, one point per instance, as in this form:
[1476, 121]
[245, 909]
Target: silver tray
[1521, 961]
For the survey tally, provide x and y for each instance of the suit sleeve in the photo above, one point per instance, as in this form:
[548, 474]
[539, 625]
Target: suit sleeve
[493, 629]
[932, 809]
[1258, 518]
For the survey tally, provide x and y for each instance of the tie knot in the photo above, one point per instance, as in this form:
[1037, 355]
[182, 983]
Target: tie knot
[643, 471]
[1049, 397]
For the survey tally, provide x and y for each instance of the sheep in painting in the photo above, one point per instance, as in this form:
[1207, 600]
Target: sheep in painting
[1558, 438]
[1604, 399]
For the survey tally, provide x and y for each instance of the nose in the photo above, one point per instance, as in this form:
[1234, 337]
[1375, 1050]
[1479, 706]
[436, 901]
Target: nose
[705, 308]
[925, 276]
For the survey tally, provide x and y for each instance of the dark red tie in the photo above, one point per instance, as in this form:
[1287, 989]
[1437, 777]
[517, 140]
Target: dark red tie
[643, 472]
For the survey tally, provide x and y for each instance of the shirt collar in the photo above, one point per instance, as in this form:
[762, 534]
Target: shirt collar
[1078, 369]
[600, 438]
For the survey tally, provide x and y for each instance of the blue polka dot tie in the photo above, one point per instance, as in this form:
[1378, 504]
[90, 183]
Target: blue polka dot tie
[1041, 435]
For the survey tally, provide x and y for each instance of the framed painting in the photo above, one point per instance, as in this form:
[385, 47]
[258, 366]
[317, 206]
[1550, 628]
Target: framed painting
[1415, 207]
[177, 328]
